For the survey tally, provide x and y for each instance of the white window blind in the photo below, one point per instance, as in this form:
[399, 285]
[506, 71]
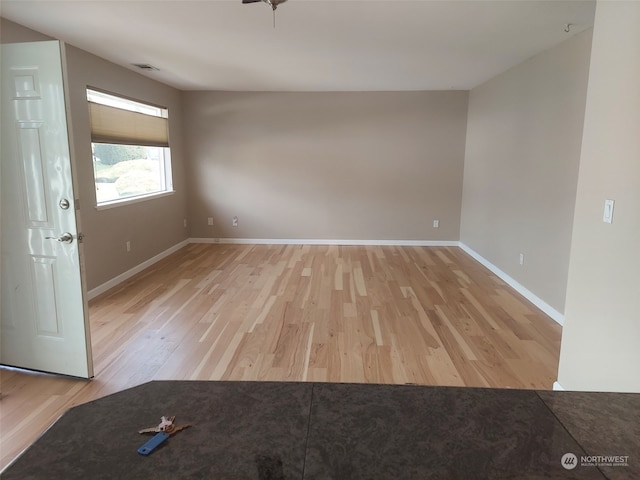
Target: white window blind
[118, 126]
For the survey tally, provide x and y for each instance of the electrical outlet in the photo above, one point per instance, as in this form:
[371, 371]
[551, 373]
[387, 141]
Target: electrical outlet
[235, 221]
[210, 221]
[128, 245]
[607, 217]
[522, 259]
[185, 223]
[436, 224]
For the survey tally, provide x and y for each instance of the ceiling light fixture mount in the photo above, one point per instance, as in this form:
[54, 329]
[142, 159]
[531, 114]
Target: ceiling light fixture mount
[272, 3]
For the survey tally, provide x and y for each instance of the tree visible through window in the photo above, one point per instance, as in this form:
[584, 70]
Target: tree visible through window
[130, 147]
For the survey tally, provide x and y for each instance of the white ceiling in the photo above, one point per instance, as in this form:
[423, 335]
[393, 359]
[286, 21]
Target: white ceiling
[317, 45]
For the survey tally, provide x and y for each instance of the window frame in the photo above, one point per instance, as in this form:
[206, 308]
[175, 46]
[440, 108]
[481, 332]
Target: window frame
[133, 105]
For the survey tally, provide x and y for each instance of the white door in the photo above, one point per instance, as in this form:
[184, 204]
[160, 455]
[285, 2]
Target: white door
[44, 323]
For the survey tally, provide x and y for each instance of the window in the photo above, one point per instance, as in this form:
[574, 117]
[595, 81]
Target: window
[130, 146]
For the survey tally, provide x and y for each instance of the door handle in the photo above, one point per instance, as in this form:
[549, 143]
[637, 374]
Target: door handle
[63, 238]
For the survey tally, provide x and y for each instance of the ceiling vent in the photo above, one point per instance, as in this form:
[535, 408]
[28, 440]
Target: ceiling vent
[144, 66]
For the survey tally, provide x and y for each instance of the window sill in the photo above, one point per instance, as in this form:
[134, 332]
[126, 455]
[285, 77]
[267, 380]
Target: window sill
[132, 200]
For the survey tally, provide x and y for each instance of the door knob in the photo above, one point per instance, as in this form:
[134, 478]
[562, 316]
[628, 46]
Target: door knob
[63, 238]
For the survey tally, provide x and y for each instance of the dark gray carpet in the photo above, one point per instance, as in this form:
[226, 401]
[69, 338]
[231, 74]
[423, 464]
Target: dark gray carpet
[267, 430]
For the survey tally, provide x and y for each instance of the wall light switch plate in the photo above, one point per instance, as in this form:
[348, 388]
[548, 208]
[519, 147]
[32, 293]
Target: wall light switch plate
[607, 217]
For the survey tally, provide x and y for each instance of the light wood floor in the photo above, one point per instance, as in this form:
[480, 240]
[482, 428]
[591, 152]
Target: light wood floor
[422, 315]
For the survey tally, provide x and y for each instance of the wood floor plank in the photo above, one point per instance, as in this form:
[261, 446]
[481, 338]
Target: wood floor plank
[375, 314]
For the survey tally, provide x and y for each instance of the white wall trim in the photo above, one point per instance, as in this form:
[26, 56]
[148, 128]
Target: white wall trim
[526, 293]
[94, 292]
[557, 387]
[310, 241]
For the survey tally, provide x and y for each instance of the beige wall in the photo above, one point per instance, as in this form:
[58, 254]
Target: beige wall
[151, 226]
[11, 32]
[355, 166]
[521, 167]
[601, 339]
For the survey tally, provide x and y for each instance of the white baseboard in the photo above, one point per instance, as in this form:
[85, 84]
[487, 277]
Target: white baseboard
[526, 293]
[310, 241]
[94, 292]
[557, 387]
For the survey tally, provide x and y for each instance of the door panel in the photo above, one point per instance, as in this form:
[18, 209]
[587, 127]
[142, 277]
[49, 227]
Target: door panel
[44, 319]
[30, 159]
